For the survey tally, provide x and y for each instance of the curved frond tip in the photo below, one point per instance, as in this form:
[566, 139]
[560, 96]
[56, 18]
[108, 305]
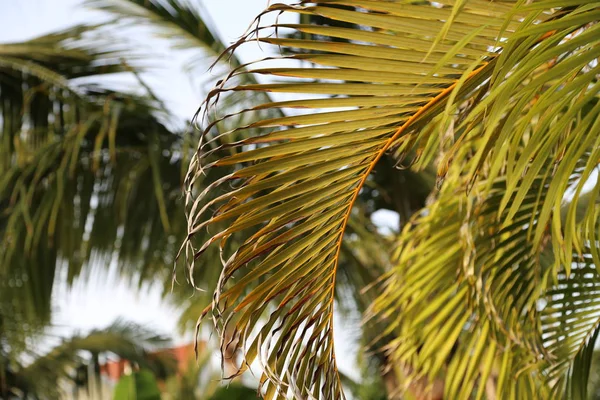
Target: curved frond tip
[290, 182]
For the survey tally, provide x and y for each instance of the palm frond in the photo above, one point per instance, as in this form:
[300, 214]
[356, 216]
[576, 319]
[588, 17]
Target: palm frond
[570, 324]
[181, 21]
[465, 287]
[185, 25]
[520, 233]
[299, 175]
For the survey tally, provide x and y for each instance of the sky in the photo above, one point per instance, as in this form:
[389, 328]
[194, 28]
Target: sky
[104, 297]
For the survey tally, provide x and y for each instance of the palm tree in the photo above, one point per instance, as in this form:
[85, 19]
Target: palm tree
[493, 287]
[89, 175]
[46, 375]
[71, 149]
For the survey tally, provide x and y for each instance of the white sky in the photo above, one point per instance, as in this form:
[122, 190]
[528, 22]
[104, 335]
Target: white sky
[104, 298]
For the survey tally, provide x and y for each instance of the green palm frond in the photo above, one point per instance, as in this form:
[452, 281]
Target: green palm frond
[464, 287]
[500, 95]
[513, 240]
[185, 25]
[464, 282]
[180, 21]
[570, 325]
[75, 52]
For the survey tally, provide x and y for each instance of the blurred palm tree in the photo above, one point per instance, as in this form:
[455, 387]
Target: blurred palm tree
[74, 363]
[90, 176]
